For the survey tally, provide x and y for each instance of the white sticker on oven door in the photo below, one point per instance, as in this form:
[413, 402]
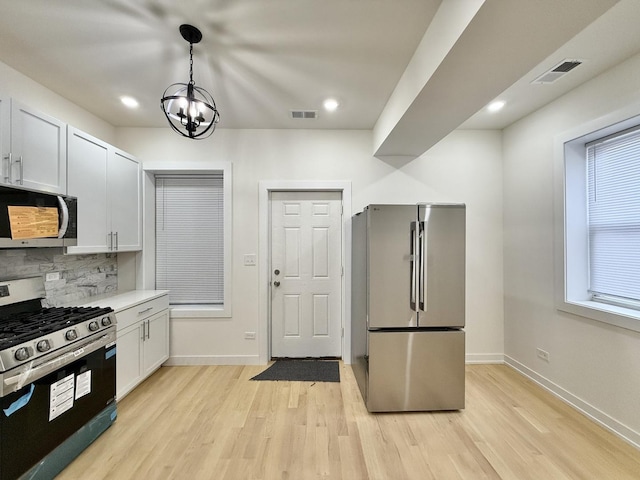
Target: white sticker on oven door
[61, 396]
[83, 384]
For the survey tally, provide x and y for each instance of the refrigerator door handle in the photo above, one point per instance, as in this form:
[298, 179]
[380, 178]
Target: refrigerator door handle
[422, 270]
[412, 271]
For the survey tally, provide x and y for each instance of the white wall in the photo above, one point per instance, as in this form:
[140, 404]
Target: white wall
[593, 365]
[464, 167]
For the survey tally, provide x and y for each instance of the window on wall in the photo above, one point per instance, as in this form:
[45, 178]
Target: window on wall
[598, 273]
[190, 224]
[613, 179]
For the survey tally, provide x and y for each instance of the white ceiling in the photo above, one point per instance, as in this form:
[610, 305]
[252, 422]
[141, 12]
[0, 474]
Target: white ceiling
[258, 58]
[262, 58]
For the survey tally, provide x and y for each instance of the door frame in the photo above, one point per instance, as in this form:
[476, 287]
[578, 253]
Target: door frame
[264, 274]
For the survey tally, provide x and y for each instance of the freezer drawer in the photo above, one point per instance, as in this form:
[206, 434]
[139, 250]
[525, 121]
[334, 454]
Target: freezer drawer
[416, 371]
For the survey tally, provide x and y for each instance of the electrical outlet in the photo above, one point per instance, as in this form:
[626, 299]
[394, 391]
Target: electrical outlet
[52, 276]
[543, 354]
[250, 259]
[250, 335]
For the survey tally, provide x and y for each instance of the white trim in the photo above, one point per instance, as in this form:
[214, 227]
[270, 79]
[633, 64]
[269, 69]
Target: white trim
[570, 243]
[484, 358]
[598, 416]
[190, 360]
[265, 187]
[147, 267]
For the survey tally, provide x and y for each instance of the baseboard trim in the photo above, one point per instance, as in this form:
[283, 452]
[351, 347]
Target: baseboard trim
[484, 358]
[184, 360]
[625, 433]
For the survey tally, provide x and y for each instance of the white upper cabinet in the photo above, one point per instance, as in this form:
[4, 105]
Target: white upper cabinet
[125, 197]
[34, 148]
[87, 163]
[106, 182]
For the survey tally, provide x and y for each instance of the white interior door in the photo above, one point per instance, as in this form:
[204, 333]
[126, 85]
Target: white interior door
[306, 274]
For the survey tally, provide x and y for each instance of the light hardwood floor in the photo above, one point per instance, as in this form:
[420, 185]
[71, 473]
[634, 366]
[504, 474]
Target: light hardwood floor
[214, 423]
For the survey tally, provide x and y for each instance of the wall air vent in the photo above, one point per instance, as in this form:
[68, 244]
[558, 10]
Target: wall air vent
[312, 114]
[558, 71]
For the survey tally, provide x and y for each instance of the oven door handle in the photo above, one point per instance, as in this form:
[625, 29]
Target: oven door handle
[32, 373]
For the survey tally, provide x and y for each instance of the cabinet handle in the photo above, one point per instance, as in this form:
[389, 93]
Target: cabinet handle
[21, 180]
[145, 310]
[116, 234]
[7, 177]
[110, 241]
[148, 329]
[144, 333]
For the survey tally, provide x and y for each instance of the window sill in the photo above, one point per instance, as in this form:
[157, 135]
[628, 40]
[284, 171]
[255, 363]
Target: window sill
[622, 317]
[195, 311]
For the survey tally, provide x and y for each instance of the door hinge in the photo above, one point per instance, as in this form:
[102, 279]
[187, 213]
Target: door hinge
[341, 271]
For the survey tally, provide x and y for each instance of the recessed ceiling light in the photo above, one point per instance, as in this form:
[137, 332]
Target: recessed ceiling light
[495, 106]
[331, 104]
[129, 102]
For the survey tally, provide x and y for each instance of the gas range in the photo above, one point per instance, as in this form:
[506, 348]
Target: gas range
[29, 331]
[57, 380]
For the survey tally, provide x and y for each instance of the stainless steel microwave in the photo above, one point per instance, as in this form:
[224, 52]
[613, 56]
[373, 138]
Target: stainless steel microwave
[43, 232]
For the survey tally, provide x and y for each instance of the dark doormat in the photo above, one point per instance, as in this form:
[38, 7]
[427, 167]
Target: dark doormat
[302, 371]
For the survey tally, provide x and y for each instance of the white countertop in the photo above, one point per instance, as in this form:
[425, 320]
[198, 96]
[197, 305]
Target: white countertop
[123, 300]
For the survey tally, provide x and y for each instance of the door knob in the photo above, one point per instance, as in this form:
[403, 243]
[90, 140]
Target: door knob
[276, 272]
[276, 283]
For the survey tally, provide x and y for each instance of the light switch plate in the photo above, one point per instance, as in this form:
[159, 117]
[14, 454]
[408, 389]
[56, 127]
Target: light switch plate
[52, 276]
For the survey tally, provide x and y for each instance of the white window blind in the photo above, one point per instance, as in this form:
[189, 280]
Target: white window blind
[190, 238]
[613, 175]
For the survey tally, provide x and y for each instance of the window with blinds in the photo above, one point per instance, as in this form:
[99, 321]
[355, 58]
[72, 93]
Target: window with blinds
[190, 238]
[613, 176]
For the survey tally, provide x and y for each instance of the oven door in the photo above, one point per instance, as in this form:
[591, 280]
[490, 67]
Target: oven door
[54, 400]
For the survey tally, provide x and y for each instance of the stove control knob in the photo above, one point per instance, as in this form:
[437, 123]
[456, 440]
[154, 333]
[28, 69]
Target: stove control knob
[106, 321]
[43, 345]
[22, 354]
[71, 335]
[93, 326]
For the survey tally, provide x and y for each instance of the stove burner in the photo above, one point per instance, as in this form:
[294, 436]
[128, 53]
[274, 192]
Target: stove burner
[25, 326]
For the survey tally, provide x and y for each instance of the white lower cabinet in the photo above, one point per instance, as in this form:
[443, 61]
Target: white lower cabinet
[143, 343]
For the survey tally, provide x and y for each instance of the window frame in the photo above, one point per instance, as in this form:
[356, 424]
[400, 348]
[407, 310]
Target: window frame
[570, 219]
[147, 268]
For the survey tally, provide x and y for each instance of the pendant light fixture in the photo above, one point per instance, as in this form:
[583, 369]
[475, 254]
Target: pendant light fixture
[190, 110]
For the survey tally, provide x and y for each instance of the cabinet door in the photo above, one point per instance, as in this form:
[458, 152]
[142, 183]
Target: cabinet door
[38, 150]
[5, 132]
[156, 344]
[88, 159]
[128, 359]
[125, 201]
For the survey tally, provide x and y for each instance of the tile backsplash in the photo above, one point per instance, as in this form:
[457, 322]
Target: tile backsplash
[81, 276]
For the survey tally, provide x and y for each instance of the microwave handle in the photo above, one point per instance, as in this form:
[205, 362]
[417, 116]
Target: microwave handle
[65, 217]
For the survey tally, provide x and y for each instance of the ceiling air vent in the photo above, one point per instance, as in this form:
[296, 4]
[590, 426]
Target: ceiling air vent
[558, 71]
[304, 114]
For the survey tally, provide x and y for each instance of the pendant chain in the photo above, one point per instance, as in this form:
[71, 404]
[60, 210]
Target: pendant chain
[191, 63]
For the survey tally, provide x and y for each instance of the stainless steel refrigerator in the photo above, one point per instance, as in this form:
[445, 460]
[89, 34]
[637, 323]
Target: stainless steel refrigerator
[408, 306]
